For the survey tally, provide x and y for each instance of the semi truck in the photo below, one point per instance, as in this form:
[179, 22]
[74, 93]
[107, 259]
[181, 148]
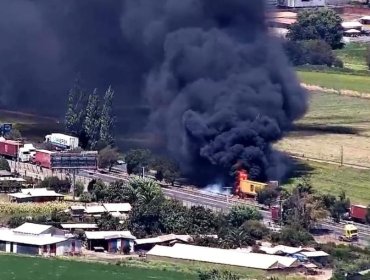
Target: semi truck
[65, 160]
[62, 141]
[9, 148]
[26, 152]
[358, 213]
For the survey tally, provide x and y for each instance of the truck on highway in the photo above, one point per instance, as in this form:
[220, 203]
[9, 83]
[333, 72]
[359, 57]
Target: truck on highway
[65, 160]
[62, 141]
[26, 152]
[9, 148]
[358, 213]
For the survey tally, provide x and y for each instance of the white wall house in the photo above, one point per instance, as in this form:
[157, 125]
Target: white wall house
[35, 239]
[302, 3]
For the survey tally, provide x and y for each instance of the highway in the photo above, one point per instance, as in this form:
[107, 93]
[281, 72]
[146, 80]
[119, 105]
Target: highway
[188, 196]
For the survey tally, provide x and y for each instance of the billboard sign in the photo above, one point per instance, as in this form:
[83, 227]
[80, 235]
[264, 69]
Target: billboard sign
[84, 160]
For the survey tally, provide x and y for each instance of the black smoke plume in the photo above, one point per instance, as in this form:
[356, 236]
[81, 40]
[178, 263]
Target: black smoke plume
[218, 88]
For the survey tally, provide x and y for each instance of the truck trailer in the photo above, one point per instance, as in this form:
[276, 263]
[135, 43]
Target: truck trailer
[358, 213]
[62, 141]
[66, 160]
[9, 148]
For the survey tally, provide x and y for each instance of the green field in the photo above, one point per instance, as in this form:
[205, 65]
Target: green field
[353, 56]
[337, 81]
[29, 268]
[333, 179]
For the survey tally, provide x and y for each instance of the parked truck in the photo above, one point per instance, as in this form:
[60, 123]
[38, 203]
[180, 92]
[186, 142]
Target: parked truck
[350, 233]
[358, 213]
[65, 160]
[62, 141]
[26, 152]
[9, 148]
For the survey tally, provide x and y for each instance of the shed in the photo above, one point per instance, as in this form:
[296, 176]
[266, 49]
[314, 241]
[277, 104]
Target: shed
[117, 207]
[95, 210]
[111, 241]
[147, 244]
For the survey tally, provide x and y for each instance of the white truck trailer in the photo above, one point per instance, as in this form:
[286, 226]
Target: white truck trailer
[62, 141]
[26, 152]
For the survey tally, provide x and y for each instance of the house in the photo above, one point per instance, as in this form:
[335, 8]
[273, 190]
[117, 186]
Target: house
[77, 210]
[36, 239]
[110, 241]
[302, 3]
[94, 210]
[117, 209]
[147, 244]
[35, 195]
[222, 256]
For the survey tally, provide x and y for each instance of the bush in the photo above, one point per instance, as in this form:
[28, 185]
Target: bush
[54, 183]
[292, 236]
[217, 275]
[79, 189]
[255, 229]
[4, 164]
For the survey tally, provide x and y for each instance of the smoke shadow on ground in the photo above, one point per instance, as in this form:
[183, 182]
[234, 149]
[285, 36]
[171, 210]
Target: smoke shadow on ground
[327, 129]
[298, 169]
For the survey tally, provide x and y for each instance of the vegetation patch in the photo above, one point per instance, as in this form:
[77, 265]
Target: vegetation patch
[353, 56]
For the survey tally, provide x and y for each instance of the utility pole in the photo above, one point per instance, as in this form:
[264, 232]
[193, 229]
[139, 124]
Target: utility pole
[143, 172]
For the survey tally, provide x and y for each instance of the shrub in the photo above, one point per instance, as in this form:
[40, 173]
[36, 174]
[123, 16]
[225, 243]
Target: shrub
[79, 188]
[4, 164]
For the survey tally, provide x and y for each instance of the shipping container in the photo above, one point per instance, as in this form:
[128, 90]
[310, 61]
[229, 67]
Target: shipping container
[9, 148]
[275, 213]
[358, 213]
[64, 160]
[62, 141]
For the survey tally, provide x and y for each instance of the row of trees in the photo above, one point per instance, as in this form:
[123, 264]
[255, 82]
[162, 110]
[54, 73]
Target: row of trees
[91, 120]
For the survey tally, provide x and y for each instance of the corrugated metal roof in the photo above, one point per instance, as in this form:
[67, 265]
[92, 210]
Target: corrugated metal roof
[79, 226]
[30, 228]
[222, 256]
[9, 235]
[315, 254]
[280, 249]
[95, 209]
[38, 192]
[109, 234]
[163, 238]
[117, 207]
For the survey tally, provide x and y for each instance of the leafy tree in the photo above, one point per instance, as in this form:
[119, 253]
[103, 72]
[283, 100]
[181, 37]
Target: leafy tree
[108, 157]
[91, 124]
[54, 183]
[108, 222]
[217, 275]
[268, 195]
[203, 221]
[4, 164]
[237, 238]
[79, 188]
[318, 24]
[174, 217]
[137, 159]
[86, 197]
[292, 236]
[14, 134]
[98, 190]
[166, 169]
[255, 229]
[76, 108]
[239, 214]
[107, 118]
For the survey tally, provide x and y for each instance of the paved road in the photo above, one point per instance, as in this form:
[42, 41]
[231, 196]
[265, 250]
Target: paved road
[188, 196]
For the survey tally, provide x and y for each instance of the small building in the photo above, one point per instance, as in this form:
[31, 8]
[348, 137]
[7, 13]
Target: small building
[147, 244]
[352, 25]
[77, 210]
[35, 195]
[95, 210]
[222, 256]
[36, 239]
[119, 210]
[110, 241]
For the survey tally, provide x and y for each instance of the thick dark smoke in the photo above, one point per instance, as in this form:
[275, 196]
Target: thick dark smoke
[219, 89]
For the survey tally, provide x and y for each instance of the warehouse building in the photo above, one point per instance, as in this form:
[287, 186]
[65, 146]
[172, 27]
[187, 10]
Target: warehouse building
[110, 241]
[222, 256]
[36, 239]
[35, 195]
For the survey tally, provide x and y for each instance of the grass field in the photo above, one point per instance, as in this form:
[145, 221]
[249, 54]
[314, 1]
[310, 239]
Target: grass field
[333, 179]
[27, 268]
[353, 56]
[337, 81]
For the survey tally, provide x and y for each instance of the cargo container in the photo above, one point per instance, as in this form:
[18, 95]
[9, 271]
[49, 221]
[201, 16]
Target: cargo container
[358, 213]
[62, 141]
[275, 213]
[9, 148]
[65, 160]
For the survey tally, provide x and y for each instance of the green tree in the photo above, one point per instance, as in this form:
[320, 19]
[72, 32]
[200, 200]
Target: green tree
[4, 164]
[108, 157]
[267, 195]
[138, 159]
[98, 190]
[79, 188]
[54, 183]
[239, 214]
[203, 221]
[318, 24]
[86, 197]
[14, 134]
[108, 222]
[107, 118]
[255, 229]
[91, 124]
[76, 109]
[217, 275]
[166, 169]
[292, 236]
